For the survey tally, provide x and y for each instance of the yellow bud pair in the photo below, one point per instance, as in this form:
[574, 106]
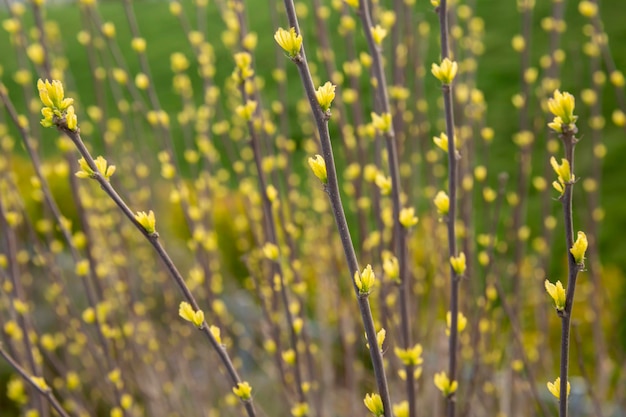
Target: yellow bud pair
[382, 122]
[461, 322]
[243, 390]
[442, 202]
[365, 280]
[411, 356]
[458, 263]
[103, 166]
[408, 217]
[186, 311]
[443, 384]
[555, 388]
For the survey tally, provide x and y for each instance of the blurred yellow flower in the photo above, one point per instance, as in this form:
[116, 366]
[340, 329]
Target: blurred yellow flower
[443, 384]
[378, 33]
[382, 122]
[442, 202]
[458, 263]
[461, 323]
[243, 390]
[374, 403]
[555, 388]
[410, 356]
[408, 217]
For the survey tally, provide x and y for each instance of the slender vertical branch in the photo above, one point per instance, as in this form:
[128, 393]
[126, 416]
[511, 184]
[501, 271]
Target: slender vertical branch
[572, 267]
[451, 217]
[271, 236]
[399, 232]
[562, 106]
[332, 189]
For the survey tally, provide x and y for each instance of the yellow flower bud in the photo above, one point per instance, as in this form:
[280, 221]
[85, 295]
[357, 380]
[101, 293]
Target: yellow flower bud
[215, 331]
[442, 202]
[558, 186]
[147, 221]
[617, 78]
[36, 53]
[178, 62]
[40, 383]
[243, 390]
[374, 403]
[461, 322]
[556, 124]
[70, 119]
[138, 45]
[142, 81]
[52, 95]
[365, 280]
[401, 409]
[443, 384]
[247, 110]
[383, 183]
[408, 217]
[557, 293]
[555, 388]
[562, 105]
[442, 142]
[318, 166]
[108, 29]
[579, 248]
[325, 95]
[250, 41]
[562, 170]
[378, 33]
[300, 410]
[185, 311]
[446, 71]
[243, 60]
[587, 8]
[518, 43]
[411, 356]
[289, 41]
[382, 122]
[103, 166]
[458, 263]
[270, 251]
